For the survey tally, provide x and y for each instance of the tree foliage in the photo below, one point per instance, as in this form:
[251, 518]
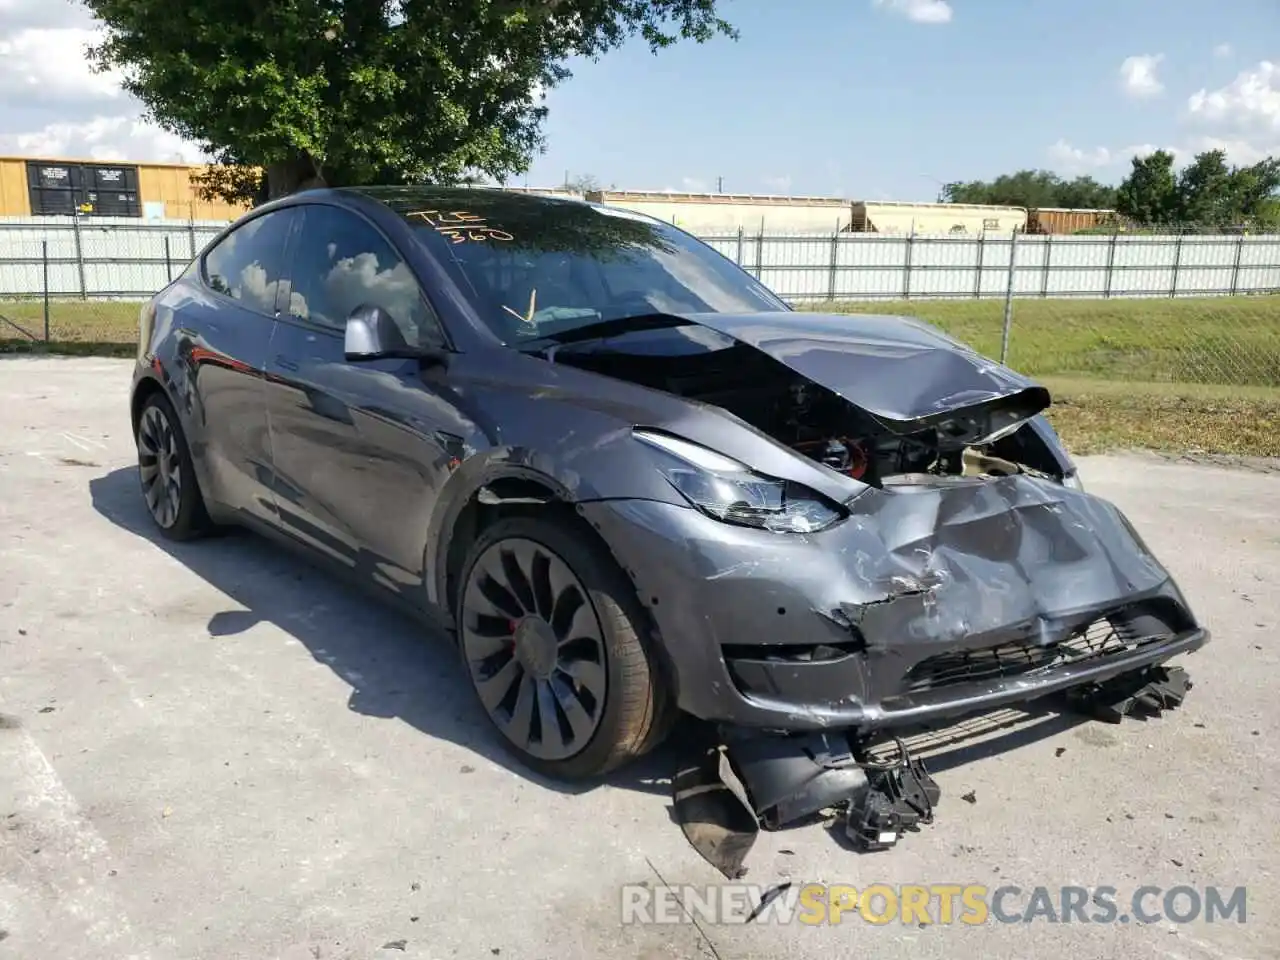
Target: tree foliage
[361, 91]
[1033, 189]
[1150, 193]
[1207, 193]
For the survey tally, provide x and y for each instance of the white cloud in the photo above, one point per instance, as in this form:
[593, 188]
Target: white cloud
[1249, 103]
[43, 13]
[780, 185]
[919, 11]
[1069, 159]
[1138, 75]
[103, 138]
[52, 104]
[1180, 154]
[1242, 118]
[1239, 151]
[43, 65]
[1223, 50]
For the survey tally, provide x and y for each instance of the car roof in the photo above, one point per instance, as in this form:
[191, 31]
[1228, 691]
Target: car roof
[403, 199]
[416, 196]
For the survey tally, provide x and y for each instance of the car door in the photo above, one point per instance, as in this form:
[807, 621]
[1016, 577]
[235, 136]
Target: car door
[360, 449]
[230, 332]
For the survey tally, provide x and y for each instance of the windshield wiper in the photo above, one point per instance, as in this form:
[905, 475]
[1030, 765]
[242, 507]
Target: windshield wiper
[602, 329]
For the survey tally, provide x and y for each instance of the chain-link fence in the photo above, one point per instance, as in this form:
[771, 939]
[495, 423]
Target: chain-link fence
[1178, 308]
[68, 280]
[1161, 309]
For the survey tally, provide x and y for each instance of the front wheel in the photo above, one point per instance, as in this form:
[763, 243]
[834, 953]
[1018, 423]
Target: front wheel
[555, 643]
[166, 473]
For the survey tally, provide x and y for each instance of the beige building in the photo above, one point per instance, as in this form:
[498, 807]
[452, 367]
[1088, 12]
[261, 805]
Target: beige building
[709, 214]
[891, 216]
[564, 192]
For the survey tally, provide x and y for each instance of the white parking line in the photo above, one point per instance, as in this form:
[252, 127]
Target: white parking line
[55, 863]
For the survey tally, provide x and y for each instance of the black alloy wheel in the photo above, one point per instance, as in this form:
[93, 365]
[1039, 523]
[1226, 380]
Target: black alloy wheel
[167, 477]
[551, 633]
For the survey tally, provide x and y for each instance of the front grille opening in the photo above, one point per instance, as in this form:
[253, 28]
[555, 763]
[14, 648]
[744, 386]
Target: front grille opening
[1098, 640]
[789, 652]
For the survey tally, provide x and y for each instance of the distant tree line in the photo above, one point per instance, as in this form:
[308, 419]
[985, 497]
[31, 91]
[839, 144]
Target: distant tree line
[1034, 189]
[1208, 193]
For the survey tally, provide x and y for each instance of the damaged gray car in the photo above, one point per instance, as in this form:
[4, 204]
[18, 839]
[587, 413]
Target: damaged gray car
[634, 482]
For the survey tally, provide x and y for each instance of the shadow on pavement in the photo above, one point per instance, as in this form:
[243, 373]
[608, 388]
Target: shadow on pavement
[396, 666]
[399, 668]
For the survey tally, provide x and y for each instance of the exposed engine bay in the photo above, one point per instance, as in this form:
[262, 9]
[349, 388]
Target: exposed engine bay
[979, 438]
[872, 455]
[816, 422]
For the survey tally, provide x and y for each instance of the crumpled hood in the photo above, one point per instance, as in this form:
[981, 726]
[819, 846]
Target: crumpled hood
[905, 373]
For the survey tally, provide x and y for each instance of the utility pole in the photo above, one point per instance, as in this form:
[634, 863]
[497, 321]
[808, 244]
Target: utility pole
[719, 184]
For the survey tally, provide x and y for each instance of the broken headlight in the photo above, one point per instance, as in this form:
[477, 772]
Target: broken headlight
[723, 488]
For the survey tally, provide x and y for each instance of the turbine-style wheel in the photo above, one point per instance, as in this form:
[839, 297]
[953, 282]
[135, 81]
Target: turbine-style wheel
[166, 474]
[549, 629]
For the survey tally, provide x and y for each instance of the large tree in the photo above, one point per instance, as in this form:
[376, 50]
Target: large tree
[1207, 193]
[361, 91]
[1033, 189]
[1149, 195]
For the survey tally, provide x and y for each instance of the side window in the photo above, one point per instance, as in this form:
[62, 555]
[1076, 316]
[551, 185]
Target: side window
[341, 262]
[248, 263]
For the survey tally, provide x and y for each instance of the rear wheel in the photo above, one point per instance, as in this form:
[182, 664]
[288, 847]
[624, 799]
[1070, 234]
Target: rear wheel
[556, 646]
[166, 473]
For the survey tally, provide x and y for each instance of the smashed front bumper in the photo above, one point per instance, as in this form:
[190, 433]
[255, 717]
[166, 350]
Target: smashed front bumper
[928, 602]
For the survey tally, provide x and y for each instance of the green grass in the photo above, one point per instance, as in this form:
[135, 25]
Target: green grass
[1217, 340]
[71, 321]
[1094, 416]
[1184, 375]
[1200, 375]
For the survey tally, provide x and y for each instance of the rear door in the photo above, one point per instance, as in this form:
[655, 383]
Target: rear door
[230, 332]
[360, 449]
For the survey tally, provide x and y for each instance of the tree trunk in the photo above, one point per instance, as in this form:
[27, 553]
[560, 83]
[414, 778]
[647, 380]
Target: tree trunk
[289, 176]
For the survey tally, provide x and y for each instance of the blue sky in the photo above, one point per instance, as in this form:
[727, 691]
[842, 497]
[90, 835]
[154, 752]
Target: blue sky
[865, 99]
[880, 100]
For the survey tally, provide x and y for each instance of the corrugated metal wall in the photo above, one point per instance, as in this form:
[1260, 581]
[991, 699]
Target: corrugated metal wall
[716, 213]
[123, 258]
[874, 266]
[1063, 221]
[104, 257]
[894, 217]
[172, 187]
[15, 201]
[165, 190]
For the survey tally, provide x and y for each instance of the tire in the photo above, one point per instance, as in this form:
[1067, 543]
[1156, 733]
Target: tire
[633, 710]
[164, 460]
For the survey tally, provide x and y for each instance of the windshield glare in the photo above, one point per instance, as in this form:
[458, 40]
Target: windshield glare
[538, 267]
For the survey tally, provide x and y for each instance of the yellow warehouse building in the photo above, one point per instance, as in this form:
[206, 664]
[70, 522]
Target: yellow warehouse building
[60, 186]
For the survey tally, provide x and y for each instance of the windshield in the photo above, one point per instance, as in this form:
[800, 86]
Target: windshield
[538, 267]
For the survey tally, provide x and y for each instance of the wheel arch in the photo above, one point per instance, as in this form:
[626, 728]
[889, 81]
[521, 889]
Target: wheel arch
[500, 490]
[146, 388]
[508, 489]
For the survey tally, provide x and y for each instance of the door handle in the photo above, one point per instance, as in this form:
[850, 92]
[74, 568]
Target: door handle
[285, 363]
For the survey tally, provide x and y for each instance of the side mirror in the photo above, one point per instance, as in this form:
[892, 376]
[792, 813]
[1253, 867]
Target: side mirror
[371, 334]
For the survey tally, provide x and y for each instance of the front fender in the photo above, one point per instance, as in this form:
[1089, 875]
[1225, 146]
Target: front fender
[616, 467]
